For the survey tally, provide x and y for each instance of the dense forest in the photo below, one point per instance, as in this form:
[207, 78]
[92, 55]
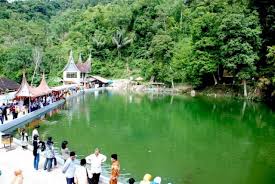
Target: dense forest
[194, 42]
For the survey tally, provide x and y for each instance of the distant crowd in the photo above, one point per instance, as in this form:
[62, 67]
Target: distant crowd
[25, 106]
[74, 173]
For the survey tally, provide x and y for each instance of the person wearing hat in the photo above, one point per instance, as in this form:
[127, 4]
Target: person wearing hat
[115, 169]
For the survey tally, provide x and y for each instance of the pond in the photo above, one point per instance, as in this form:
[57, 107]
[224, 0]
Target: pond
[184, 140]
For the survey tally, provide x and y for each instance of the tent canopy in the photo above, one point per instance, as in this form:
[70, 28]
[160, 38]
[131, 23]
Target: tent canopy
[26, 90]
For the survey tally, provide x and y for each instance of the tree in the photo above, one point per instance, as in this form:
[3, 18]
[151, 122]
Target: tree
[240, 36]
[121, 40]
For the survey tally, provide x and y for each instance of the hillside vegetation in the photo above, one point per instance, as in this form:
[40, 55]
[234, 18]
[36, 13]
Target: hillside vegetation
[171, 41]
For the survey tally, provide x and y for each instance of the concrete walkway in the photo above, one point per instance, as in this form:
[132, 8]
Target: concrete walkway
[23, 159]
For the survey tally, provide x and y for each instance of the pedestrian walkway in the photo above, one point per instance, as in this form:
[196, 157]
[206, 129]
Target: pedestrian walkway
[10, 118]
[23, 159]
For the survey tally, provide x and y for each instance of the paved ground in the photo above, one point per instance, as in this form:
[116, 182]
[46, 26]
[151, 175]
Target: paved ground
[18, 158]
[10, 117]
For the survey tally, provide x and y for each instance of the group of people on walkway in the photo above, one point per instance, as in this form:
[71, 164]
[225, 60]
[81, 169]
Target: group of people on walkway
[26, 105]
[12, 109]
[90, 168]
[74, 173]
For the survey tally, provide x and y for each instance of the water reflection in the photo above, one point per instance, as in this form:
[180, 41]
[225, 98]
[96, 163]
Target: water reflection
[185, 140]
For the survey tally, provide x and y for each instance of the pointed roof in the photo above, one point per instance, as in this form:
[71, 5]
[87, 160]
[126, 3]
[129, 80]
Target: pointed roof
[80, 59]
[85, 67]
[43, 86]
[7, 84]
[71, 64]
[25, 89]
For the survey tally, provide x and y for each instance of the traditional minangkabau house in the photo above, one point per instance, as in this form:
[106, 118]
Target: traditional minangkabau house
[7, 85]
[76, 73]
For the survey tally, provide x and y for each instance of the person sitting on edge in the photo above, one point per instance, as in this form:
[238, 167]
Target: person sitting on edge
[115, 169]
[96, 159]
[69, 168]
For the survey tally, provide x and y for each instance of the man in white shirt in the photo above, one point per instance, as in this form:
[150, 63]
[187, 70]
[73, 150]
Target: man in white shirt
[80, 176]
[96, 159]
[69, 168]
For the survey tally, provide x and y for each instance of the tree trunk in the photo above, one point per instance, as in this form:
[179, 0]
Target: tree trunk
[37, 55]
[215, 80]
[172, 81]
[244, 88]
[118, 53]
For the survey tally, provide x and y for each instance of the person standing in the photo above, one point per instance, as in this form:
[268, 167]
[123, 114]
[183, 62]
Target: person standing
[1, 115]
[5, 113]
[96, 159]
[24, 139]
[36, 152]
[115, 169]
[49, 155]
[69, 168]
[80, 176]
[65, 152]
[35, 132]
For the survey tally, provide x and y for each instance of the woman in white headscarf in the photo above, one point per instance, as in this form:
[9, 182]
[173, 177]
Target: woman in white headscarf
[157, 180]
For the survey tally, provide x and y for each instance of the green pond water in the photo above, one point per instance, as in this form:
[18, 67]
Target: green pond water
[182, 139]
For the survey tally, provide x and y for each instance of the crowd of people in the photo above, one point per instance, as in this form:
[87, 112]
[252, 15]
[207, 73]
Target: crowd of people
[90, 168]
[26, 105]
[13, 108]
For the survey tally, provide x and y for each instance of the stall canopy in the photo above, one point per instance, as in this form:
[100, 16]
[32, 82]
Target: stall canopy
[43, 87]
[25, 90]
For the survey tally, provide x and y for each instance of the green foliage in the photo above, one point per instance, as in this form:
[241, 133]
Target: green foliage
[165, 40]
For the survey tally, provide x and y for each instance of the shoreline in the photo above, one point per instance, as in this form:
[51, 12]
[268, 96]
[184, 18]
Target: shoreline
[219, 90]
[5, 128]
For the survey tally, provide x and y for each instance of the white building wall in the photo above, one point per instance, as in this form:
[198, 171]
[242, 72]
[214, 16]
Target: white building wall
[69, 80]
